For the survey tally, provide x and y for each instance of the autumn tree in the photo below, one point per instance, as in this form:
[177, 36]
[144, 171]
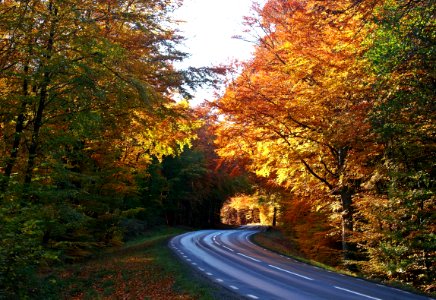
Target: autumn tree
[87, 101]
[400, 203]
[84, 58]
[298, 110]
[338, 104]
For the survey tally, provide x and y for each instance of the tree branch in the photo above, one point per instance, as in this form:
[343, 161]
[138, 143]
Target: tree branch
[311, 171]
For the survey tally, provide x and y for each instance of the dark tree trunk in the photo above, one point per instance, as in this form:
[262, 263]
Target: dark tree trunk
[274, 221]
[19, 126]
[43, 95]
[346, 194]
[17, 136]
[35, 137]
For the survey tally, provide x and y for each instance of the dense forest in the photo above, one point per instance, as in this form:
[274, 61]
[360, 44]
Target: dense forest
[326, 133]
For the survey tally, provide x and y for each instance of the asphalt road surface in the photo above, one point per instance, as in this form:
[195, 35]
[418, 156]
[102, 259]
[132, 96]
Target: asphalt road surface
[229, 258]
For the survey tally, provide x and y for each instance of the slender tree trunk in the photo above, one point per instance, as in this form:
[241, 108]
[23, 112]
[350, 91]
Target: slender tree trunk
[347, 220]
[10, 163]
[21, 118]
[274, 221]
[35, 137]
[43, 95]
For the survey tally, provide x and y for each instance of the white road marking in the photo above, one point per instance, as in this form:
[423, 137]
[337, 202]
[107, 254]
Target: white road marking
[194, 264]
[234, 287]
[230, 249]
[252, 296]
[210, 274]
[249, 257]
[405, 292]
[248, 240]
[296, 274]
[201, 269]
[356, 293]
[219, 280]
[188, 259]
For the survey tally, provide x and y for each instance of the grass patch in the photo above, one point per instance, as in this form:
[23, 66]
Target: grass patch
[144, 268]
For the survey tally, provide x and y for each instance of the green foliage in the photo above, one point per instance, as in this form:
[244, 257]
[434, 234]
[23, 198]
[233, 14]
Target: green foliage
[402, 246]
[152, 188]
[402, 56]
[21, 252]
[186, 190]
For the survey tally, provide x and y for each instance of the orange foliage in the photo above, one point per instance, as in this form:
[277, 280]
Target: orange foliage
[312, 231]
[298, 112]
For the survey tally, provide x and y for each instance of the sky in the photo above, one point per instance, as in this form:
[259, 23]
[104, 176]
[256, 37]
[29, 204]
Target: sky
[209, 26]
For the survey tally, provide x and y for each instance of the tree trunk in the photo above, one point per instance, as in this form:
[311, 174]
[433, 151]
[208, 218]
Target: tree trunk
[274, 221]
[10, 163]
[43, 95]
[35, 137]
[346, 194]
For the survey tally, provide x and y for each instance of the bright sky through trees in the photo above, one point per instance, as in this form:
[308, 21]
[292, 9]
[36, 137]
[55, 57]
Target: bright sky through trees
[209, 26]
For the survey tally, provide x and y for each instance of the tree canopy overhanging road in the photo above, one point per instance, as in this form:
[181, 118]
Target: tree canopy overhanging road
[229, 258]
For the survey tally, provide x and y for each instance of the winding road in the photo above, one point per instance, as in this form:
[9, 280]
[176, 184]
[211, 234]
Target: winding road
[229, 258]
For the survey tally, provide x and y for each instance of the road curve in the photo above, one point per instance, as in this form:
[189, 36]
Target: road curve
[229, 258]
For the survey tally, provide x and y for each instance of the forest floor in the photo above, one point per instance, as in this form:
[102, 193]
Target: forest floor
[144, 268]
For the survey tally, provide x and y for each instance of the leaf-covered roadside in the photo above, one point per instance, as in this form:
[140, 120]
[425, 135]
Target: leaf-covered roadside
[142, 269]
